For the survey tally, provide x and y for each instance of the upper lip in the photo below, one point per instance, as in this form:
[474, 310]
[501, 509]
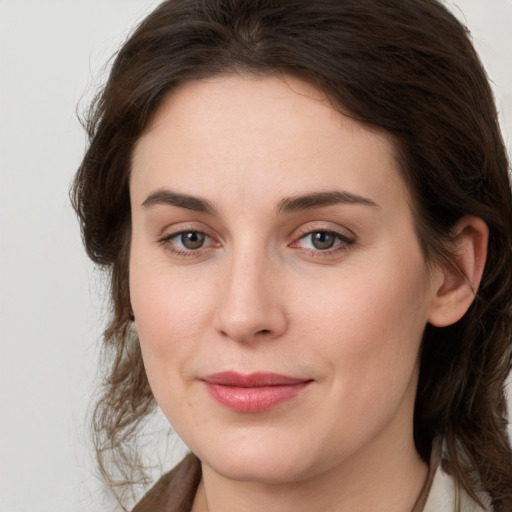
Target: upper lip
[251, 380]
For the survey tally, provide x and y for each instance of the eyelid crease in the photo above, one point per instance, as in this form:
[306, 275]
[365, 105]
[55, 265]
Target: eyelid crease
[342, 232]
[344, 239]
[174, 234]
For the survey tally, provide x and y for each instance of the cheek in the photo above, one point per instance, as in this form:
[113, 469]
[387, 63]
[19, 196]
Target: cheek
[369, 323]
[367, 333]
[171, 312]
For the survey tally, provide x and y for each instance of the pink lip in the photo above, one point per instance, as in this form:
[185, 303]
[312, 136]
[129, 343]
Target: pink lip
[256, 392]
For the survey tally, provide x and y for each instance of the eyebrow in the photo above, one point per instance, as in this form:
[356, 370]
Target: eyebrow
[167, 197]
[288, 204]
[322, 199]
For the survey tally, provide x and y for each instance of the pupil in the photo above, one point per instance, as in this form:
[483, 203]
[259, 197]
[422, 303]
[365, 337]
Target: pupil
[192, 240]
[323, 240]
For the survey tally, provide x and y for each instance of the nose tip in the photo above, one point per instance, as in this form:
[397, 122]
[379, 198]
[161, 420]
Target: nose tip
[250, 308]
[249, 329]
[248, 315]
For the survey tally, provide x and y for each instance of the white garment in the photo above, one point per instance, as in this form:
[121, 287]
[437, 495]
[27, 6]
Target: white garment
[443, 496]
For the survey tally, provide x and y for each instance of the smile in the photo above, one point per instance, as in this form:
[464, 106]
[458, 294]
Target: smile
[256, 392]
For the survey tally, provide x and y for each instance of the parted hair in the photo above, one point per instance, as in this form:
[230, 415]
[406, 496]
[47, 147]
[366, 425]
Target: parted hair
[407, 67]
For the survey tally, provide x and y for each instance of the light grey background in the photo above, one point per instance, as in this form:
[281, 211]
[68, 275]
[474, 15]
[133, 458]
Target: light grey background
[51, 309]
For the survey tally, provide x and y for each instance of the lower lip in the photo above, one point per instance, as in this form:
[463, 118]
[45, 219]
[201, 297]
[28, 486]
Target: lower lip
[254, 399]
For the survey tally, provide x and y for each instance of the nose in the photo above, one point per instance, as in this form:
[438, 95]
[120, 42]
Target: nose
[251, 306]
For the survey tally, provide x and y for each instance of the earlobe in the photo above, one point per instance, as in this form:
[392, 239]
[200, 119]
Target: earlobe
[459, 281]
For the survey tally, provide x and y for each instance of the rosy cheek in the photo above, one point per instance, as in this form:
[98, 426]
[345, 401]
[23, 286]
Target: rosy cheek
[168, 314]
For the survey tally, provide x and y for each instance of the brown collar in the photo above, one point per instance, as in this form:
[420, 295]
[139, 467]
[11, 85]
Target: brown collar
[175, 491]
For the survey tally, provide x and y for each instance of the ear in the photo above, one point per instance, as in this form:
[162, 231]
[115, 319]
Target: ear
[458, 283]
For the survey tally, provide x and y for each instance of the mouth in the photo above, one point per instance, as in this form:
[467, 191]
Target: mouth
[255, 392]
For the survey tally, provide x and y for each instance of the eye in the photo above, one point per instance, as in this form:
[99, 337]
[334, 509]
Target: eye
[323, 240]
[192, 239]
[186, 241]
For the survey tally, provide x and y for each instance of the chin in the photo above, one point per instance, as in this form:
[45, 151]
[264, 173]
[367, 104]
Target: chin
[263, 468]
[267, 459]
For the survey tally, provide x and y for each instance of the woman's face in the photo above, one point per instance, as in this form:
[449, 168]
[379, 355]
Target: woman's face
[279, 290]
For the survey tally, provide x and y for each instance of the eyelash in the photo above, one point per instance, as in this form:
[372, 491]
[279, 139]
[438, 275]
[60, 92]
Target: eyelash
[342, 244]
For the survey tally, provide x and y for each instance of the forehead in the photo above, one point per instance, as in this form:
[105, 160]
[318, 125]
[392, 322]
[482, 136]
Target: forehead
[260, 135]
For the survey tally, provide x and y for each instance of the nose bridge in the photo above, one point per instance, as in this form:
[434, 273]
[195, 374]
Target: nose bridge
[249, 307]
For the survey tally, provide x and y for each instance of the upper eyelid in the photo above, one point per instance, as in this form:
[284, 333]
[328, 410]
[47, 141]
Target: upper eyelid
[174, 234]
[336, 230]
[341, 237]
[325, 230]
[184, 230]
[172, 230]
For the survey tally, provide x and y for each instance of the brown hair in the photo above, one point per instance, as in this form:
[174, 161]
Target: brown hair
[405, 66]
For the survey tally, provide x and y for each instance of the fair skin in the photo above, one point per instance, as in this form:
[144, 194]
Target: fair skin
[229, 272]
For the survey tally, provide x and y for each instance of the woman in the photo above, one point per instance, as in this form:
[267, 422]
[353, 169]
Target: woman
[306, 213]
